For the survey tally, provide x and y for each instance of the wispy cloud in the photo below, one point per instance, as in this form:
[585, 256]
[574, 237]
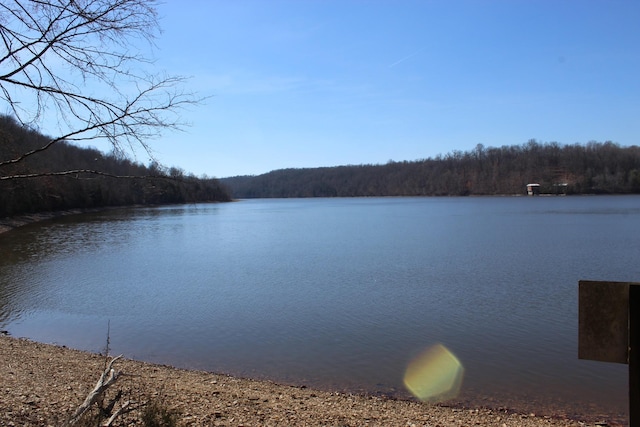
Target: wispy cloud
[240, 82]
[406, 57]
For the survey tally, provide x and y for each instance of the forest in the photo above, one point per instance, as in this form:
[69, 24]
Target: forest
[110, 180]
[592, 168]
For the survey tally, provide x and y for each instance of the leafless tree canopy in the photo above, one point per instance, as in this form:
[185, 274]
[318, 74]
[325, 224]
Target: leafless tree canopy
[78, 63]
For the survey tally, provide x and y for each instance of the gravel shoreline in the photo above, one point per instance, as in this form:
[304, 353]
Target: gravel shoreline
[41, 385]
[9, 223]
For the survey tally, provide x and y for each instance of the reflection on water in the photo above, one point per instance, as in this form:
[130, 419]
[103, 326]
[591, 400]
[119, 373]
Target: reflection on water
[336, 293]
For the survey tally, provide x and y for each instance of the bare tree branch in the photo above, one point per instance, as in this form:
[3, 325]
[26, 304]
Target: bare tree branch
[78, 172]
[126, 407]
[78, 63]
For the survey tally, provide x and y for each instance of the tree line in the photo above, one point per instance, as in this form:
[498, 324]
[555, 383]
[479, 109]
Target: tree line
[592, 168]
[66, 176]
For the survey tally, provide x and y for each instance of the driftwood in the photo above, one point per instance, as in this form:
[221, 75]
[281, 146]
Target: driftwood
[126, 407]
[108, 377]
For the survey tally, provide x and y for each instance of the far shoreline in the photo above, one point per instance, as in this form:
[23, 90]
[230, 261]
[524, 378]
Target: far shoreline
[13, 222]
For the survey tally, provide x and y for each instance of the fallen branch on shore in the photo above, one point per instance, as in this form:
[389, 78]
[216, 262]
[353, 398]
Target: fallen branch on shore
[107, 379]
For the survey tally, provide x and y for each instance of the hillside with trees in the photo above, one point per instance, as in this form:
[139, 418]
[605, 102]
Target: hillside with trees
[592, 168]
[66, 176]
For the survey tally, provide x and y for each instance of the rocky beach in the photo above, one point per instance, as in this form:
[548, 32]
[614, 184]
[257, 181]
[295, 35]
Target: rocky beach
[42, 385]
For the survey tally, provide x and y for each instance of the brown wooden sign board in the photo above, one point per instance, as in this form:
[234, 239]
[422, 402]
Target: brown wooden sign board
[603, 321]
[609, 330]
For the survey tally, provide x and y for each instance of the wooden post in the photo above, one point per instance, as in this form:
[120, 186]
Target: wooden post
[634, 356]
[609, 330]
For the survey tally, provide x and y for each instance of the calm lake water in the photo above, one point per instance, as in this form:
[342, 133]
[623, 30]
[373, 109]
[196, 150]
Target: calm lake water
[337, 293]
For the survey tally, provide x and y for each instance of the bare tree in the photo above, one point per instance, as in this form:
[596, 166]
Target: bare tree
[78, 63]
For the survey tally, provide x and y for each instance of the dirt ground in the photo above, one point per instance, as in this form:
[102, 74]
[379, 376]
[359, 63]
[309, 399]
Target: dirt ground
[41, 385]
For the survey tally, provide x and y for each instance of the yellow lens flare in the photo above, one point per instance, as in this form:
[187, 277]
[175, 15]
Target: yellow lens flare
[435, 375]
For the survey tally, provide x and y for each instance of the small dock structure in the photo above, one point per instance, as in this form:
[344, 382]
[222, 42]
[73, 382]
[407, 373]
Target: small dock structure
[533, 189]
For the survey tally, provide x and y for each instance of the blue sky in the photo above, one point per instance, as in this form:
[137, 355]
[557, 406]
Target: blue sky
[325, 83]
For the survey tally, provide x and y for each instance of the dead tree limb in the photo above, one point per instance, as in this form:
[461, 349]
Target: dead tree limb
[108, 377]
[125, 408]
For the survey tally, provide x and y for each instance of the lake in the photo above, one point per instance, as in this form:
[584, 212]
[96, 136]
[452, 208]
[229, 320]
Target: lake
[337, 294]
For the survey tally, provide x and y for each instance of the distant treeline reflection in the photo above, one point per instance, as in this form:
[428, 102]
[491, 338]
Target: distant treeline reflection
[592, 168]
[138, 184]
